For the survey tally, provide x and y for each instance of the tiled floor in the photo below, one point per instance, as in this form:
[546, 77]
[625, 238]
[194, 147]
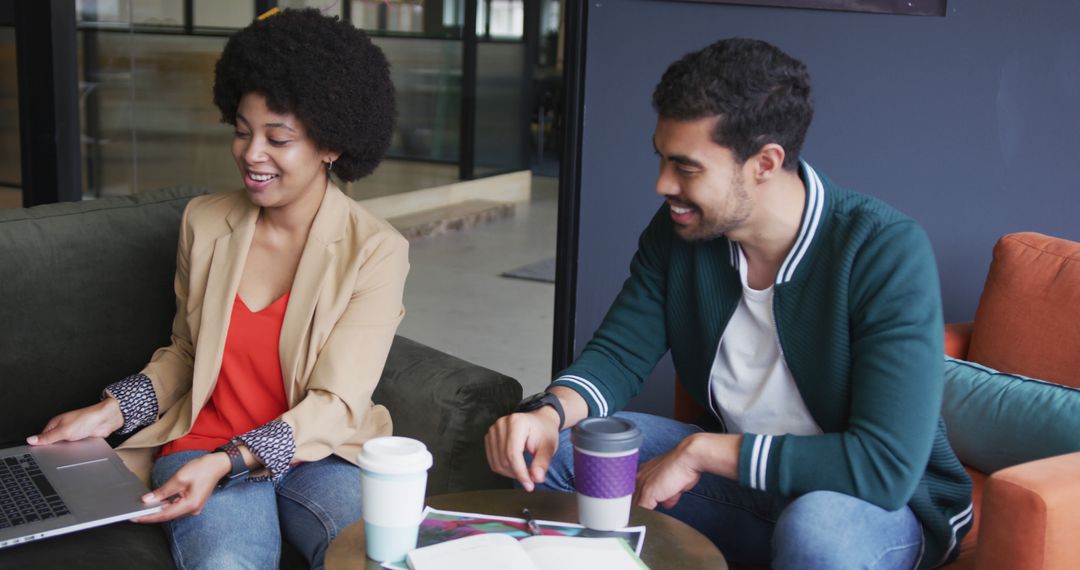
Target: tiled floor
[456, 301]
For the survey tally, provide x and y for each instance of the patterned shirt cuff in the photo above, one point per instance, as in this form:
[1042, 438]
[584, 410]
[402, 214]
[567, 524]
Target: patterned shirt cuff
[273, 445]
[138, 402]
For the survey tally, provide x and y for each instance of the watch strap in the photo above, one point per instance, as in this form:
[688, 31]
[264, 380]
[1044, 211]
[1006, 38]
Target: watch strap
[238, 470]
[540, 400]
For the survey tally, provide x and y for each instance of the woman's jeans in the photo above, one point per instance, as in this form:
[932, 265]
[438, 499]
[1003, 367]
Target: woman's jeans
[242, 526]
[822, 529]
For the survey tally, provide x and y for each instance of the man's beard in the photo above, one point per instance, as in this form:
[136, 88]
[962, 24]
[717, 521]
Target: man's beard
[709, 229]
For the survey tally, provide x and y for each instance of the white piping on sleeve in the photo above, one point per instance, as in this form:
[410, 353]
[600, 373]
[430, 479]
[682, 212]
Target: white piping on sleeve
[957, 522]
[764, 461]
[754, 461]
[591, 389]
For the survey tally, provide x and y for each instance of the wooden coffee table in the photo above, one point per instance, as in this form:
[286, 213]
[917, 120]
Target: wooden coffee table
[669, 543]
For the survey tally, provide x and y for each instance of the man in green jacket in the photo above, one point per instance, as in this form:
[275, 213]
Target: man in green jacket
[806, 320]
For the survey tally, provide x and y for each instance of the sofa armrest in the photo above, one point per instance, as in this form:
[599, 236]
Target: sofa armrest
[448, 404]
[958, 338]
[1030, 516]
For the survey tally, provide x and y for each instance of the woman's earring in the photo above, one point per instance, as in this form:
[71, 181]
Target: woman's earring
[330, 166]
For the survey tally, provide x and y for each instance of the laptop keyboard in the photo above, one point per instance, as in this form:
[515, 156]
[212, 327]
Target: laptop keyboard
[25, 494]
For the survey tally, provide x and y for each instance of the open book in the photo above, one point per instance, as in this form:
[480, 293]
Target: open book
[499, 551]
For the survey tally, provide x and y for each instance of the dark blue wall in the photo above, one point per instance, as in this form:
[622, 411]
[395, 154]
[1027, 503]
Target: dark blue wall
[968, 123]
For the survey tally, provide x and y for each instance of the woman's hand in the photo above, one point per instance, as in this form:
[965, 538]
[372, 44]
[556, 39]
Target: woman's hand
[189, 488]
[98, 420]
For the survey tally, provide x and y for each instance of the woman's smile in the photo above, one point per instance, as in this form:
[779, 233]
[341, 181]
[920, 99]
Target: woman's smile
[279, 162]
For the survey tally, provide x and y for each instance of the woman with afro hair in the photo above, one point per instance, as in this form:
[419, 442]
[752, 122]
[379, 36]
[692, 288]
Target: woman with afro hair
[288, 297]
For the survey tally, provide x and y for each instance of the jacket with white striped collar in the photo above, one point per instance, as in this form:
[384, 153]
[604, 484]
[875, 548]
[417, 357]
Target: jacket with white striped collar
[857, 306]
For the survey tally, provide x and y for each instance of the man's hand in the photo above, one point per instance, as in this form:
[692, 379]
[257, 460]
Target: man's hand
[189, 488]
[536, 432]
[665, 478]
[98, 420]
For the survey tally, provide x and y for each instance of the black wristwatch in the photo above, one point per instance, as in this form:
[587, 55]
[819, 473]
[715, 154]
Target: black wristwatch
[537, 401]
[239, 470]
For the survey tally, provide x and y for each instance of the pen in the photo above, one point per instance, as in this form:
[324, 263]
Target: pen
[534, 528]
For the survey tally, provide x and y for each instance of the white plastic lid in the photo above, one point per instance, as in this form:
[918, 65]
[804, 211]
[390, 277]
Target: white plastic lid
[394, 455]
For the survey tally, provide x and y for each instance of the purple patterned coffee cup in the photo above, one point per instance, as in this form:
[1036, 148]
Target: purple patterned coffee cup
[605, 465]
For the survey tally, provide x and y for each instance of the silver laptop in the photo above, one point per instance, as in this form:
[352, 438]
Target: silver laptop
[64, 487]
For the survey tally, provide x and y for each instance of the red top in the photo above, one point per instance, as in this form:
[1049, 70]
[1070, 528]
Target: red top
[250, 390]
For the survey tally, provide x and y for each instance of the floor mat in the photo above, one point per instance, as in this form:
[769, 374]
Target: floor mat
[543, 270]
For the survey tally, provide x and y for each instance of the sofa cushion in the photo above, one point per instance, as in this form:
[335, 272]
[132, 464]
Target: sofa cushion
[995, 420]
[1028, 320]
[86, 298]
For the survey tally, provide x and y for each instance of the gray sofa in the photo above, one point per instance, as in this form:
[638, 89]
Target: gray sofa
[85, 298]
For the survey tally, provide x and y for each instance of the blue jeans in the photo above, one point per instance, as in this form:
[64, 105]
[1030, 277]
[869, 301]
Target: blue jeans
[822, 529]
[242, 526]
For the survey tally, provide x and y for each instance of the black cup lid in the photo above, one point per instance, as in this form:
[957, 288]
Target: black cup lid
[606, 435]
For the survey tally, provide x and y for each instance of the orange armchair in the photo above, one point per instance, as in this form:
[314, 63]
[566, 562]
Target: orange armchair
[1027, 516]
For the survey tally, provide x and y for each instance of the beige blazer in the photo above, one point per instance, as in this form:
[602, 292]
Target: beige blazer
[344, 308]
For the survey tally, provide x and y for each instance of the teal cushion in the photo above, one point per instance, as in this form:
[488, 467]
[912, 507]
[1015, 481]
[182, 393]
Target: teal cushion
[995, 420]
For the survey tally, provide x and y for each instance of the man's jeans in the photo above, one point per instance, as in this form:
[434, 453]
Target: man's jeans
[242, 526]
[822, 529]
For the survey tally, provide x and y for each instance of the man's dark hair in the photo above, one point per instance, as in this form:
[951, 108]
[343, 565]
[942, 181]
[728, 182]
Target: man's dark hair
[324, 71]
[761, 94]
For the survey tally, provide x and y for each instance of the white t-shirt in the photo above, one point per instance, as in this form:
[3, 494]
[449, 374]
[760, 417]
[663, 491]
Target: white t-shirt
[750, 385]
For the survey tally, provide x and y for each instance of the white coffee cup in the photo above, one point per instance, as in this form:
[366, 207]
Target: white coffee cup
[393, 481]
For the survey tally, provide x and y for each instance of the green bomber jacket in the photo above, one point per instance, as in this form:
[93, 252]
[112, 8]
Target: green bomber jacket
[858, 313]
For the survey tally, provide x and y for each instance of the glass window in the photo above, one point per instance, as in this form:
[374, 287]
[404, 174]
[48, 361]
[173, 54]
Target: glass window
[500, 107]
[365, 14]
[223, 13]
[146, 96]
[328, 7]
[453, 13]
[157, 12]
[405, 17]
[427, 78]
[550, 28]
[148, 114]
[500, 19]
[167, 13]
[397, 16]
[103, 11]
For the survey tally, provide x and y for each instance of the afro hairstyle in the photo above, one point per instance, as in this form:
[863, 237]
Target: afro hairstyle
[325, 72]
